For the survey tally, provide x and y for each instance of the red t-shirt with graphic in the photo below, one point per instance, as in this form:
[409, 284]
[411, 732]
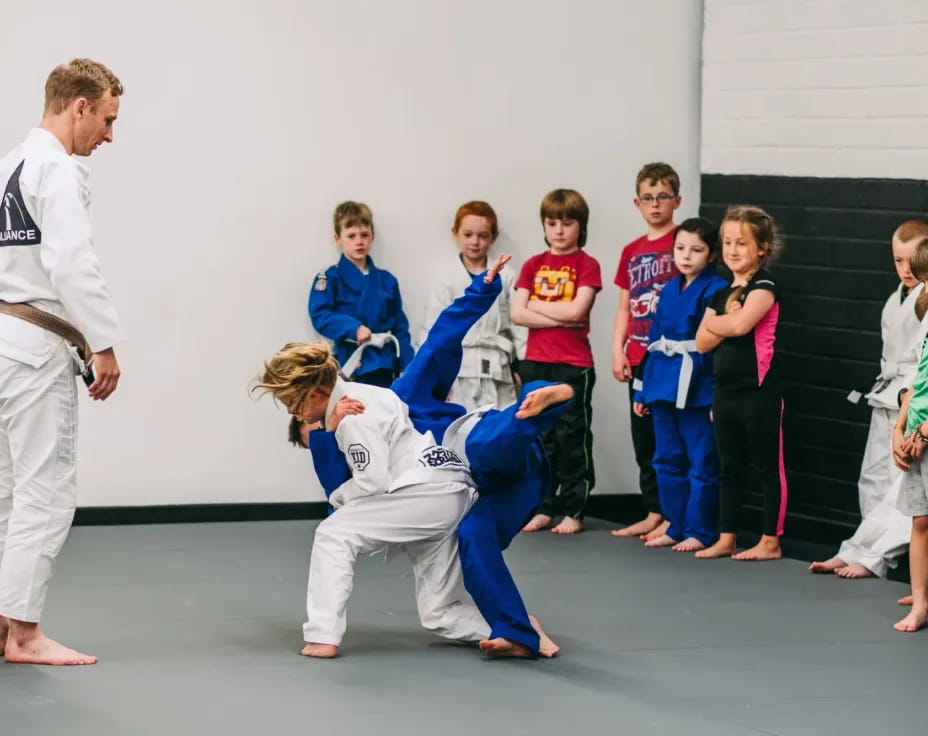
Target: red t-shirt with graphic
[558, 278]
[646, 266]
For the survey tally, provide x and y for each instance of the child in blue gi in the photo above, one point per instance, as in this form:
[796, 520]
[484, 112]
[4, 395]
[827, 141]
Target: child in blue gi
[505, 456]
[677, 390]
[354, 300]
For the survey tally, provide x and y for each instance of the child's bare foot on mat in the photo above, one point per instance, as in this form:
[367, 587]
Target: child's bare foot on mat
[546, 645]
[853, 571]
[916, 620]
[568, 525]
[906, 600]
[538, 522]
[829, 565]
[322, 651]
[768, 548]
[690, 544]
[725, 547]
[645, 526]
[660, 531]
[662, 541]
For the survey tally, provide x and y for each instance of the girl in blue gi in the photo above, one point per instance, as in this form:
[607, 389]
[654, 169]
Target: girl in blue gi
[505, 456]
[354, 300]
[677, 390]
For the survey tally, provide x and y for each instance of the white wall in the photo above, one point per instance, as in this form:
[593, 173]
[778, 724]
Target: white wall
[242, 126]
[816, 88]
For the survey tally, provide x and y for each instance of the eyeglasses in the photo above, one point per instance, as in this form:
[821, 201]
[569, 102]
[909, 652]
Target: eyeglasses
[661, 198]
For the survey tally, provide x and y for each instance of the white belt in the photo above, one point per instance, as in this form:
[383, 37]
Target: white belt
[678, 347]
[378, 340]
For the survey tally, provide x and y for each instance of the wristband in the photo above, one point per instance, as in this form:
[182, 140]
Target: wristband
[918, 433]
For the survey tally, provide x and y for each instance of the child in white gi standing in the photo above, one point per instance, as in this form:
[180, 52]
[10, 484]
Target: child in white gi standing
[493, 346]
[883, 533]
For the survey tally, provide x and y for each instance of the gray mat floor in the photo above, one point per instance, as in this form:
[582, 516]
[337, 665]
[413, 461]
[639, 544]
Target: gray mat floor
[198, 631]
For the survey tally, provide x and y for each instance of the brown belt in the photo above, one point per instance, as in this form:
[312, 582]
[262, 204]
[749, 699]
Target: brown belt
[54, 324]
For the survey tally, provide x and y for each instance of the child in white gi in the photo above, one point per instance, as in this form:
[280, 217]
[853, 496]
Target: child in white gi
[883, 533]
[404, 490]
[910, 437]
[493, 345]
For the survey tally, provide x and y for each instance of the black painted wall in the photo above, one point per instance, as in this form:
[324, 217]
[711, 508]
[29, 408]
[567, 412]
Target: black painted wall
[834, 273]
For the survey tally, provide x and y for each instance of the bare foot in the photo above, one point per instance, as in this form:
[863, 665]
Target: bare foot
[854, 570]
[322, 651]
[546, 645]
[690, 544]
[500, 647]
[4, 630]
[656, 533]
[39, 649]
[906, 600]
[645, 526]
[540, 399]
[768, 548]
[538, 522]
[568, 526]
[916, 620]
[661, 541]
[725, 547]
[829, 565]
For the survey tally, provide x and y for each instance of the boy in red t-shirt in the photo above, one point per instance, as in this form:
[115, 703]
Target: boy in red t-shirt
[554, 295]
[644, 269]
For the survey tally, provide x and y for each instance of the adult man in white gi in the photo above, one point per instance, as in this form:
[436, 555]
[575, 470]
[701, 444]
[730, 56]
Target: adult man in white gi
[47, 260]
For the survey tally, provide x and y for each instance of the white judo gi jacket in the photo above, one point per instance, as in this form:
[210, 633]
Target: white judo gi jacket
[383, 449]
[47, 259]
[902, 335]
[46, 249]
[490, 346]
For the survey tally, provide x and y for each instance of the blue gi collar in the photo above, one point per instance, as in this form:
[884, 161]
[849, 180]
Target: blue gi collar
[354, 276]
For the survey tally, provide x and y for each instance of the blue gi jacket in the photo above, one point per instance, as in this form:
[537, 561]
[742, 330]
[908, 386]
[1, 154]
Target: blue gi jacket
[344, 298]
[679, 313]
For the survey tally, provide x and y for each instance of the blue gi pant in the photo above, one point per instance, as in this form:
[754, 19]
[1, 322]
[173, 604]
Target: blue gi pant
[505, 455]
[687, 470]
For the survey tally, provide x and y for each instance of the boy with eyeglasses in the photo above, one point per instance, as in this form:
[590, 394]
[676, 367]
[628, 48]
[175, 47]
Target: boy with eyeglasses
[646, 266]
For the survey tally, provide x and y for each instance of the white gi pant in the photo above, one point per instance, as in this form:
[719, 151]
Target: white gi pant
[477, 393]
[424, 519]
[38, 479]
[884, 532]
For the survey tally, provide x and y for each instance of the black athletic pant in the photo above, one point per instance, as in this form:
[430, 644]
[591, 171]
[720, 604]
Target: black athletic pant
[644, 445]
[747, 426]
[569, 444]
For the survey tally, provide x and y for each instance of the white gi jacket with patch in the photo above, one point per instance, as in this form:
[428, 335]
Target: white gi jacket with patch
[46, 250]
[384, 450]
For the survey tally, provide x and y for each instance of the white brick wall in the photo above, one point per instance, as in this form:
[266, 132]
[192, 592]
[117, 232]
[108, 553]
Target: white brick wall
[816, 88]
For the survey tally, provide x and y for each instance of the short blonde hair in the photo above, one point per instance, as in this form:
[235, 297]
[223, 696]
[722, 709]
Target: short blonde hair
[79, 78]
[296, 370]
[910, 230]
